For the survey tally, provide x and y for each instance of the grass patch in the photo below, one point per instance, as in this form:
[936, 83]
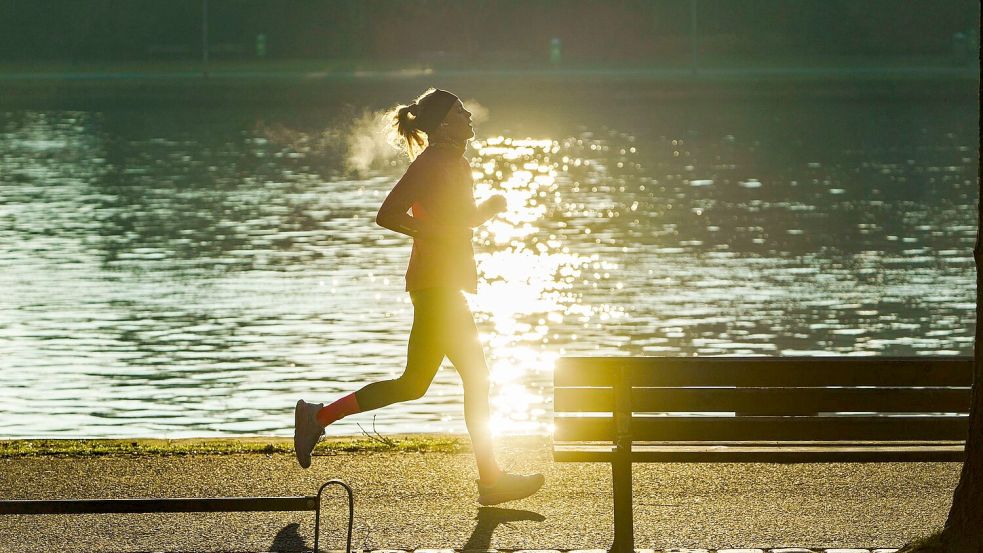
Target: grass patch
[222, 446]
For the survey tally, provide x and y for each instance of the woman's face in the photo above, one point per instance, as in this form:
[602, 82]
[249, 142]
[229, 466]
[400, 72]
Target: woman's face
[457, 123]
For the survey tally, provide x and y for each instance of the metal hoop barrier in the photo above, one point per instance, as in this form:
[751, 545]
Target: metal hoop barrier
[351, 514]
[183, 505]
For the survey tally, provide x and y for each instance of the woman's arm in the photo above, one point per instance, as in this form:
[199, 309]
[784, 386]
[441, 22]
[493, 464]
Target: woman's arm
[393, 212]
[488, 209]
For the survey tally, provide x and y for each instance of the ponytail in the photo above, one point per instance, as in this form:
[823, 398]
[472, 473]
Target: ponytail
[405, 124]
[412, 123]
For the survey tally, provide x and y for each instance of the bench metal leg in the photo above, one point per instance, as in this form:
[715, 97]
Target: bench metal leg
[624, 529]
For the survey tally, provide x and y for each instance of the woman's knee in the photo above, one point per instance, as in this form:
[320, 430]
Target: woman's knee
[475, 382]
[411, 389]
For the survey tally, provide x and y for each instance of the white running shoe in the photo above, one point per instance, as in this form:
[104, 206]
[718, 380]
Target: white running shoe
[307, 431]
[510, 487]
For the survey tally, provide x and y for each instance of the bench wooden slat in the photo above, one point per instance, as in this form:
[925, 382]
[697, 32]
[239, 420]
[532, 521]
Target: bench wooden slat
[786, 452]
[767, 371]
[168, 505]
[769, 400]
[942, 427]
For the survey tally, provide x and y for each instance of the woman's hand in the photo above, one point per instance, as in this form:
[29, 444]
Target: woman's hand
[497, 204]
[488, 209]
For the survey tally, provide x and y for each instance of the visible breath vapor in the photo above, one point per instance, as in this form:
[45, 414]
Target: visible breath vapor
[479, 113]
[373, 143]
[368, 141]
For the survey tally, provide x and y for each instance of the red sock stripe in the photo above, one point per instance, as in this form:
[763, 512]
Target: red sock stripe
[345, 406]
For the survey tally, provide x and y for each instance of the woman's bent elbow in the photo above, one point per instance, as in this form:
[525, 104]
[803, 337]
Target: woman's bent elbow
[381, 220]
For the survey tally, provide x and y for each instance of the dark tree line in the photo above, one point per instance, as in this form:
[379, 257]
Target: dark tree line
[509, 30]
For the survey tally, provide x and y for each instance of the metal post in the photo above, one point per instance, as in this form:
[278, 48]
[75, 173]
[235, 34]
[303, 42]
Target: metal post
[692, 35]
[204, 36]
[624, 530]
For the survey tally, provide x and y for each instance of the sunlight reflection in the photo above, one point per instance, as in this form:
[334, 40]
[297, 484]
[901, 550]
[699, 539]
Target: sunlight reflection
[518, 414]
[524, 277]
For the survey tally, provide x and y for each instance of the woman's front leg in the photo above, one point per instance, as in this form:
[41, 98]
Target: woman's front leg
[466, 353]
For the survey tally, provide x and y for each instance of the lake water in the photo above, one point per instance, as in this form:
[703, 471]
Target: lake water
[181, 272]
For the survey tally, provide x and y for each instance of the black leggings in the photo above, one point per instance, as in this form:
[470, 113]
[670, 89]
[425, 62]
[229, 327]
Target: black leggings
[442, 326]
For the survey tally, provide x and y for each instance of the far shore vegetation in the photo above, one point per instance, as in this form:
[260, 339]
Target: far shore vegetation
[308, 68]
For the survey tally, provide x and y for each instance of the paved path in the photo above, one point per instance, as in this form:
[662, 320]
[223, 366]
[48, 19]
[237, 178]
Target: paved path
[427, 500]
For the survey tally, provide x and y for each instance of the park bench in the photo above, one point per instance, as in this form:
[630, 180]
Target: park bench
[624, 410]
[183, 505]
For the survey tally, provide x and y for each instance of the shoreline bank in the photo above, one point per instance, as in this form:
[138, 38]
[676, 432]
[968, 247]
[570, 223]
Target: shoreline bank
[91, 89]
[96, 447]
[330, 445]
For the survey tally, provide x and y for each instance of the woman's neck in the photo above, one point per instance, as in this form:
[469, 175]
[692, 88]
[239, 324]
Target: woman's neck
[449, 143]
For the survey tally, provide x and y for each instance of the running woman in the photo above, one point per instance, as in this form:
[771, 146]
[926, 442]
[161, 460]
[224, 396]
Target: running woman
[438, 190]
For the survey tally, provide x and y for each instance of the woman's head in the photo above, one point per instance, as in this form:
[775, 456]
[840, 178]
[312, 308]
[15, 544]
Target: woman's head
[436, 113]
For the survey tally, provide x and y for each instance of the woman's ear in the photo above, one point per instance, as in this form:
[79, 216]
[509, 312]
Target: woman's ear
[439, 131]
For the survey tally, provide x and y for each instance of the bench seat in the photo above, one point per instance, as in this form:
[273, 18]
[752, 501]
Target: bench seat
[768, 452]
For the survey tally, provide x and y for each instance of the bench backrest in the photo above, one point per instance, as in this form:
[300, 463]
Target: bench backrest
[774, 398]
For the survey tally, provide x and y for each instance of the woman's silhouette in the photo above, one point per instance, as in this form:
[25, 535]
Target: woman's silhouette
[438, 189]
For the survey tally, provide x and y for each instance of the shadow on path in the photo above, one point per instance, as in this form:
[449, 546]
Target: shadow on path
[289, 539]
[489, 518]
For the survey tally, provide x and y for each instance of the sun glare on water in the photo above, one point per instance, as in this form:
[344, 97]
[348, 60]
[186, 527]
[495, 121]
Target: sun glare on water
[525, 279]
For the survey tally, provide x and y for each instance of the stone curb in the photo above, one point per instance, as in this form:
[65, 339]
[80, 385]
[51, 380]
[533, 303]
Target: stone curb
[637, 550]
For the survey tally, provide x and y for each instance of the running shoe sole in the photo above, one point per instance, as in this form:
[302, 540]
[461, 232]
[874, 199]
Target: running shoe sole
[302, 426]
[524, 489]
